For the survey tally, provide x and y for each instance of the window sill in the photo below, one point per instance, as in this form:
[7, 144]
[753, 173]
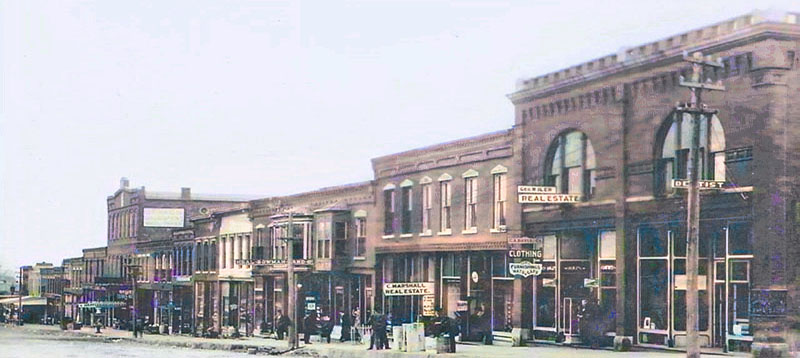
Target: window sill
[498, 231]
[406, 235]
[472, 230]
[445, 233]
[359, 258]
[390, 236]
[426, 233]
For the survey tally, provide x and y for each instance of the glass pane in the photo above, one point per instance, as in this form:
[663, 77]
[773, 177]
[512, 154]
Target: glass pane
[739, 271]
[669, 148]
[608, 244]
[545, 305]
[719, 166]
[652, 242]
[590, 159]
[717, 135]
[739, 305]
[653, 293]
[555, 168]
[549, 247]
[740, 238]
[608, 312]
[686, 132]
[574, 181]
[678, 241]
[573, 149]
[574, 245]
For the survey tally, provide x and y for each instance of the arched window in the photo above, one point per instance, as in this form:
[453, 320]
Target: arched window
[570, 165]
[672, 154]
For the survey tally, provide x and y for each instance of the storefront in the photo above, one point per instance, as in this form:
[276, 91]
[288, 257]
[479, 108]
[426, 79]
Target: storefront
[724, 283]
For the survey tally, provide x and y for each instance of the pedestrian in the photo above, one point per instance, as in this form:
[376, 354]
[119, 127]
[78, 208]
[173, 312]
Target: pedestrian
[326, 327]
[356, 325]
[309, 326]
[346, 325]
[282, 325]
[378, 338]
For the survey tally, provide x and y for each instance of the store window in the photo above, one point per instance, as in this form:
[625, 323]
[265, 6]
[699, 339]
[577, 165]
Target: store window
[571, 164]
[673, 158]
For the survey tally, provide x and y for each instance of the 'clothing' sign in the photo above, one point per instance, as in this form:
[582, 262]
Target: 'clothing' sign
[408, 288]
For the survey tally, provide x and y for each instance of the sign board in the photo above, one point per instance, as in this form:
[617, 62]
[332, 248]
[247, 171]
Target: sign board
[408, 288]
[704, 184]
[428, 305]
[162, 217]
[548, 198]
[548, 282]
[591, 282]
[525, 241]
[535, 254]
[530, 189]
[524, 268]
[462, 306]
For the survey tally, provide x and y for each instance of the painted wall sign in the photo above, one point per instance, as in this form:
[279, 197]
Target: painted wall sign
[704, 184]
[575, 267]
[428, 305]
[162, 217]
[530, 189]
[548, 198]
[525, 269]
[408, 288]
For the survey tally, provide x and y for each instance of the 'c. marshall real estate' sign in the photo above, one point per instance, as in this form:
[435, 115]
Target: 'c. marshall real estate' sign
[408, 288]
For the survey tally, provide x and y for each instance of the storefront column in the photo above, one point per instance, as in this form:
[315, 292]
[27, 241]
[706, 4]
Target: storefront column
[518, 334]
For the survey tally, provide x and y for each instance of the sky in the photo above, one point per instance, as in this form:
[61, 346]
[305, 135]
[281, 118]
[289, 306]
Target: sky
[267, 98]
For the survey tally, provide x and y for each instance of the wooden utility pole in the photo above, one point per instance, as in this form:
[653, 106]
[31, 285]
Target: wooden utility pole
[698, 111]
[292, 287]
[134, 272]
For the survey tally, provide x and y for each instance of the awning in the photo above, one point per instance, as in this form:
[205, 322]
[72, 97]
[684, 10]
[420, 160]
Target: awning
[26, 301]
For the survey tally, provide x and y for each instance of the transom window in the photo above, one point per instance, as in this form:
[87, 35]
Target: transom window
[570, 165]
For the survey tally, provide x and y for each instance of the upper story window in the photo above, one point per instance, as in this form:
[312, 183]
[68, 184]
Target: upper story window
[445, 195]
[405, 190]
[427, 205]
[470, 199]
[388, 209]
[675, 142]
[361, 233]
[324, 239]
[570, 165]
[301, 244]
[499, 190]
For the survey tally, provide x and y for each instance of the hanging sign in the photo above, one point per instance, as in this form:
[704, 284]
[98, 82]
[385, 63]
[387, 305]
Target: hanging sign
[408, 288]
[428, 303]
[535, 254]
[524, 268]
[548, 198]
[703, 184]
[525, 241]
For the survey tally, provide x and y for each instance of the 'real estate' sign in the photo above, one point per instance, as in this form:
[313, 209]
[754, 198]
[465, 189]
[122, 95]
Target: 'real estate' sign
[408, 288]
[525, 269]
[531, 189]
[548, 198]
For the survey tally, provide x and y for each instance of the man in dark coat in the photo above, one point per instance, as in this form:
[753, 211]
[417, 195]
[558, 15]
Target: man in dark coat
[378, 322]
[282, 325]
[309, 326]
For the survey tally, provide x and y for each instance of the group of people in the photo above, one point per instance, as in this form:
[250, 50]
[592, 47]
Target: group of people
[314, 324]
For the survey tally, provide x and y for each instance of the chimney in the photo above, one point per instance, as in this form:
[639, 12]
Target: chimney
[186, 193]
[123, 183]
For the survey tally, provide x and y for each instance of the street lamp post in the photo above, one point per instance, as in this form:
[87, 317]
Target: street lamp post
[697, 109]
[19, 311]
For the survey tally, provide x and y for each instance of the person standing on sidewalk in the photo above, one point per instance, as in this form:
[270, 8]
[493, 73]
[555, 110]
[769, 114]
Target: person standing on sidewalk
[378, 323]
[346, 325]
[282, 325]
[309, 326]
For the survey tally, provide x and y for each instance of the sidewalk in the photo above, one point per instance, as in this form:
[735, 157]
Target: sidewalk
[343, 350]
